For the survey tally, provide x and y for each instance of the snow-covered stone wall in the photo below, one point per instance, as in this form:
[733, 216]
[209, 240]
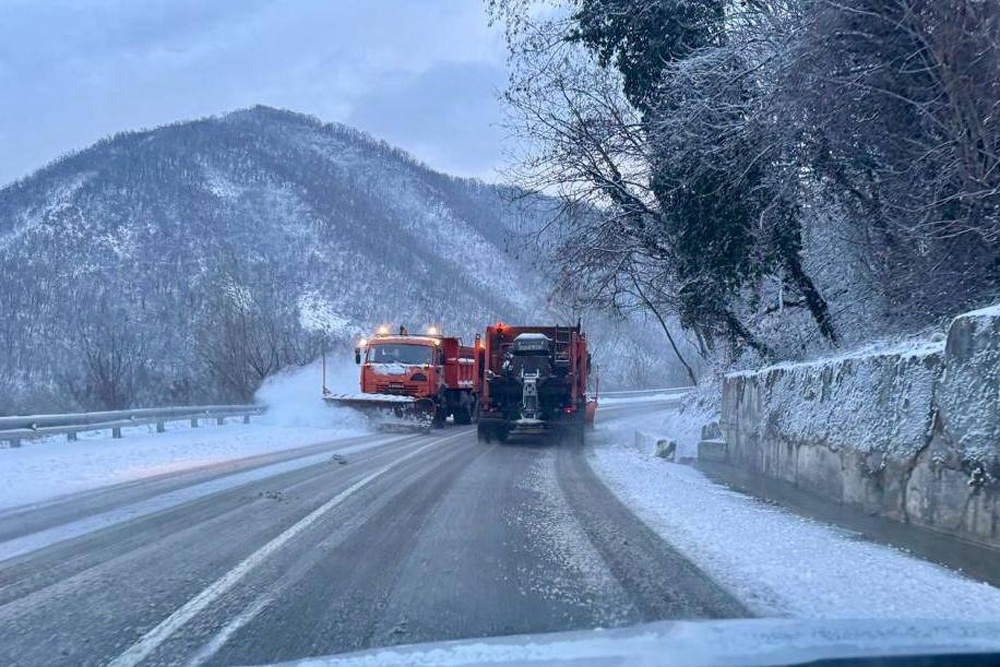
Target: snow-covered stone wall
[912, 433]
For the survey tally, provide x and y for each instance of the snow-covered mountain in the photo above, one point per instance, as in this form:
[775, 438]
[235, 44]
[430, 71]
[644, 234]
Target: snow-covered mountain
[157, 255]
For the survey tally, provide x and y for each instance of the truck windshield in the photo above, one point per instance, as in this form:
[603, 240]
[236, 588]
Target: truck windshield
[401, 353]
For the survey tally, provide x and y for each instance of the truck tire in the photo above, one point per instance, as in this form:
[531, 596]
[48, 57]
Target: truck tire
[463, 416]
[484, 433]
[441, 411]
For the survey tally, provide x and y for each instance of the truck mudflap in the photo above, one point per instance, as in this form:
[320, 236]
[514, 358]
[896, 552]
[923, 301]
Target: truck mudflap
[490, 428]
[389, 412]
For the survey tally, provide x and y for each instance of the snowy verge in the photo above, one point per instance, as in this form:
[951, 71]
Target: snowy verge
[694, 408]
[295, 417]
[40, 471]
[777, 563]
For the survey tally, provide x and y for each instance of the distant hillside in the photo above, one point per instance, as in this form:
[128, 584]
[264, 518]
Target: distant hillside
[184, 263]
[139, 250]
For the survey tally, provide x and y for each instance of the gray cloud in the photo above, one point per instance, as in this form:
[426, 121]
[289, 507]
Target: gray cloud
[453, 100]
[421, 75]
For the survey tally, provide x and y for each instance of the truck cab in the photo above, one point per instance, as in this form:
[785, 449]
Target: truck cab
[402, 365]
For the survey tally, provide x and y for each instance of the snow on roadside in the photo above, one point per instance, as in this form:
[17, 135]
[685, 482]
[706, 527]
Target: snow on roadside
[777, 563]
[296, 417]
[682, 425]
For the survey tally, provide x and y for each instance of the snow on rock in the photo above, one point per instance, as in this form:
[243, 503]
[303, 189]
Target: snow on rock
[777, 563]
[911, 432]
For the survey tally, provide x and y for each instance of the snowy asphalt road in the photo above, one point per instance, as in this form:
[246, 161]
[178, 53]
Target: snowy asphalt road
[362, 542]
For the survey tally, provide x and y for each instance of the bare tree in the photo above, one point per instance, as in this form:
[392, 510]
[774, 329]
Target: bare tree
[591, 146]
[114, 360]
[249, 336]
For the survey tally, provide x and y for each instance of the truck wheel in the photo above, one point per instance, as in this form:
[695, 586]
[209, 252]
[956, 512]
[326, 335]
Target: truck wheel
[484, 433]
[463, 416]
[502, 433]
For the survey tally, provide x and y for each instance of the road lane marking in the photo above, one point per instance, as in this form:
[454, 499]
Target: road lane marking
[155, 637]
[26, 544]
[222, 636]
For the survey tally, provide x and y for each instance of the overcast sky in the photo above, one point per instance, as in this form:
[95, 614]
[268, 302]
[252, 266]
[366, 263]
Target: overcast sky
[421, 74]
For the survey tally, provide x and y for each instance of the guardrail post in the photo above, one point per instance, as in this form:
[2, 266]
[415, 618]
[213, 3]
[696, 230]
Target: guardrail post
[246, 419]
[71, 436]
[219, 421]
[194, 422]
[15, 443]
[160, 427]
[116, 432]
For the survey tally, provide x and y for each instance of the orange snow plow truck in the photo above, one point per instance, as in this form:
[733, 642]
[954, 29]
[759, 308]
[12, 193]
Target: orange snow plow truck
[534, 382]
[419, 380]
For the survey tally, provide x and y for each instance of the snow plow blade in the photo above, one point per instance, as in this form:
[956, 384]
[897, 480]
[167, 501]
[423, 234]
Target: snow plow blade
[389, 412]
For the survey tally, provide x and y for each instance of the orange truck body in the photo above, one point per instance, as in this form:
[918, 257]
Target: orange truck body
[533, 381]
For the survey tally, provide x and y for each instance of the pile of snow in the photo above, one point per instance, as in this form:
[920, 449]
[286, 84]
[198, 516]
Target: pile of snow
[694, 407]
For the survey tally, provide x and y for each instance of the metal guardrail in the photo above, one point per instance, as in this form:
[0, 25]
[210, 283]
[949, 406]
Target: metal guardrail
[646, 392]
[15, 429]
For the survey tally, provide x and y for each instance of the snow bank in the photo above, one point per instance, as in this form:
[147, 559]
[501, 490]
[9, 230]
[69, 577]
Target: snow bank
[296, 416]
[41, 470]
[911, 432]
[777, 563]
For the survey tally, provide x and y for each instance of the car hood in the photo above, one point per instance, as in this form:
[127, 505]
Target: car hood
[690, 643]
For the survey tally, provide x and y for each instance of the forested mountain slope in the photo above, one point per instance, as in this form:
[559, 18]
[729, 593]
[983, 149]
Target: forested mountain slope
[142, 268]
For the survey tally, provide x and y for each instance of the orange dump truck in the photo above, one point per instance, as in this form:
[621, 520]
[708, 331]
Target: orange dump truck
[422, 378]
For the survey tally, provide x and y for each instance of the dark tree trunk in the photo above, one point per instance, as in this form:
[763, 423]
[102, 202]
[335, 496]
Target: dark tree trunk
[817, 305]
